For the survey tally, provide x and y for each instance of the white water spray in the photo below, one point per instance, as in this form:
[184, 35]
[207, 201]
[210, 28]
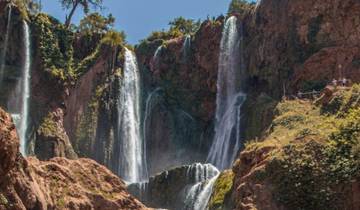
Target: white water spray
[22, 124]
[186, 47]
[156, 58]
[132, 165]
[257, 5]
[229, 98]
[3, 54]
[199, 194]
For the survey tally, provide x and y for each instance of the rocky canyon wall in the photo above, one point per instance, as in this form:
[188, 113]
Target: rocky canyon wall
[27, 183]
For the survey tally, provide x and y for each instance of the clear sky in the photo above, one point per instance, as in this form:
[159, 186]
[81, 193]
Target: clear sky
[138, 18]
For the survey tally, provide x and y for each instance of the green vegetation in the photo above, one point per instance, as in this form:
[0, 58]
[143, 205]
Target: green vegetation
[86, 130]
[74, 4]
[185, 26]
[178, 27]
[240, 7]
[114, 38]
[343, 102]
[48, 126]
[23, 6]
[222, 187]
[3, 200]
[318, 151]
[54, 46]
[95, 23]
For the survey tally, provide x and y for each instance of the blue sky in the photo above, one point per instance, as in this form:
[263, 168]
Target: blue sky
[138, 18]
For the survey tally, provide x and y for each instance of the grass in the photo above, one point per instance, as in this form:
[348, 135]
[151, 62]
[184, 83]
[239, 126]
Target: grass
[316, 151]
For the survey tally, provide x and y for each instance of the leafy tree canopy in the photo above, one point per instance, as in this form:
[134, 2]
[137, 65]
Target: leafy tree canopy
[239, 6]
[185, 26]
[74, 4]
[96, 23]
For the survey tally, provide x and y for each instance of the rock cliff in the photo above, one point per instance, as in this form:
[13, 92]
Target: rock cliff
[27, 183]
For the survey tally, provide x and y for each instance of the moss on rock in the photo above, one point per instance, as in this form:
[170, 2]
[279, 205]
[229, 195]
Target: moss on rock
[221, 190]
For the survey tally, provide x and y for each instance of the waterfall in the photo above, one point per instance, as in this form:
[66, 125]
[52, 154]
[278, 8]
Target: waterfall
[201, 172]
[199, 194]
[257, 5]
[151, 101]
[3, 54]
[132, 165]
[22, 123]
[157, 52]
[229, 97]
[186, 47]
[191, 184]
[156, 58]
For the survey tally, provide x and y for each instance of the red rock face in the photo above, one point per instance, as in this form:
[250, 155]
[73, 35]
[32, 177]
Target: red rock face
[249, 193]
[292, 43]
[191, 81]
[80, 95]
[9, 149]
[56, 184]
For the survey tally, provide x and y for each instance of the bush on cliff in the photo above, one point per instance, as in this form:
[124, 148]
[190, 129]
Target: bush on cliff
[314, 159]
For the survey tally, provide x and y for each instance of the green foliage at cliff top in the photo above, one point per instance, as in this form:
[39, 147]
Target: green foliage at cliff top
[318, 151]
[56, 51]
[96, 23]
[178, 27]
[240, 6]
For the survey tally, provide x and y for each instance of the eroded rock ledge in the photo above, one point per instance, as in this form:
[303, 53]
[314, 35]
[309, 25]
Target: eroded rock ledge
[27, 183]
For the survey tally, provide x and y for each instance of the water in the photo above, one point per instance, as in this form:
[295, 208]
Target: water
[205, 194]
[3, 54]
[22, 124]
[258, 2]
[16, 118]
[157, 52]
[186, 178]
[229, 98]
[199, 194]
[186, 47]
[201, 172]
[132, 164]
[156, 58]
[151, 101]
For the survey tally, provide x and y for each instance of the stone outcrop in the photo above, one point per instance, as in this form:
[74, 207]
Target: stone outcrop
[249, 192]
[302, 45]
[171, 189]
[27, 183]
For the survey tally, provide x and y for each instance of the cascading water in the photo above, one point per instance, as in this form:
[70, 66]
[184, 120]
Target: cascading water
[190, 182]
[151, 101]
[257, 5]
[156, 58]
[157, 52]
[21, 121]
[132, 164]
[3, 54]
[229, 97]
[199, 194]
[186, 47]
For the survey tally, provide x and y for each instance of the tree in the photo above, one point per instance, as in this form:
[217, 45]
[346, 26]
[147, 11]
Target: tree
[185, 26]
[74, 4]
[96, 23]
[240, 6]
